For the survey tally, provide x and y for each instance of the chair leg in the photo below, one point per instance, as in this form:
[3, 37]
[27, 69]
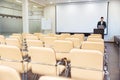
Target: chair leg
[107, 76]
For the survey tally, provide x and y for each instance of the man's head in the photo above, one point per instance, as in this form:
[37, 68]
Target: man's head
[102, 18]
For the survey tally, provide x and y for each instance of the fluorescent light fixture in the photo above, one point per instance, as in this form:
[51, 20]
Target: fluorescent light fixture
[35, 6]
[19, 1]
[69, 1]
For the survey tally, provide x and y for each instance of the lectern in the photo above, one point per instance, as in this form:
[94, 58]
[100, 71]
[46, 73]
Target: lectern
[99, 31]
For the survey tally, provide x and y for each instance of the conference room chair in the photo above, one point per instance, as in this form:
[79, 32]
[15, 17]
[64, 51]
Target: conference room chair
[62, 48]
[35, 43]
[80, 36]
[31, 37]
[60, 37]
[12, 56]
[86, 64]
[65, 35]
[16, 37]
[50, 34]
[24, 35]
[53, 78]
[99, 35]
[95, 36]
[48, 41]
[37, 34]
[89, 45]
[2, 39]
[76, 42]
[43, 61]
[42, 37]
[95, 40]
[13, 42]
[8, 73]
[17, 34]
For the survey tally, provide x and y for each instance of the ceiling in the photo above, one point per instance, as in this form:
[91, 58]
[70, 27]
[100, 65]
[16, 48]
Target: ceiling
[47, 2]
[43, 3]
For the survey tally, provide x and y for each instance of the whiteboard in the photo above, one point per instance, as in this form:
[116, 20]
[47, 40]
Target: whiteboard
[79, 17]
[45, 24]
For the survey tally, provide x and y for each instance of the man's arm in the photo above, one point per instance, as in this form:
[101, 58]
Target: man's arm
[104, 24]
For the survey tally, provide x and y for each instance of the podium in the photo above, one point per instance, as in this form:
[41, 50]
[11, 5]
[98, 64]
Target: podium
[99, 31]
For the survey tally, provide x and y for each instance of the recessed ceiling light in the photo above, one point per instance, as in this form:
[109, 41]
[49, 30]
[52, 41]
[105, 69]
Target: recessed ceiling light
[51, 2]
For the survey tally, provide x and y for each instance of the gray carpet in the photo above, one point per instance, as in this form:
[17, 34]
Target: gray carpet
[113, 66]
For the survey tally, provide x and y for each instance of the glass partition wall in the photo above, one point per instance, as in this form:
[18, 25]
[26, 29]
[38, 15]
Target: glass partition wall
[10, 17]
[35, 16]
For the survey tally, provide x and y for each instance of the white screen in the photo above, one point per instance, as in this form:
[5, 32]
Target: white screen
[79, 17]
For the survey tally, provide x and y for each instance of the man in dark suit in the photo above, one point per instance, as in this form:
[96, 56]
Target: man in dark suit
[101, 24]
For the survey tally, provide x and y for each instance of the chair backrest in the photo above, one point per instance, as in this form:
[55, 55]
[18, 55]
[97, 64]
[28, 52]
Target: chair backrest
[49, 41]
[76, 42]
[2, 39]
[53, 78]
[35, 43]
[63, 46]
[98, 35]
[16, 37]
[95, 40]
[92, 59]
[7, 73]
[17, 34]
[86, 64]
[38, 35]
[13, 42]
[31, 37]
[80, 36]
[51, 34]
[43, 60]
[93, 46]
[12, 56]
[95, 36]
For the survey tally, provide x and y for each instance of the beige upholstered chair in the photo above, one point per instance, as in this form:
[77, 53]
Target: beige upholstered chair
[53, 78]
[86, 64]
[32, 37]
[13, 42]
[76, 42]
[48, 41]
[62, 48]
[36, 43]
[95, 36]
[43, 61]
[12, 56]
[80, 36]
[93, 46]
[95, 40]
[2, 39]
[16, 37]
[8, 73]
[98, 35]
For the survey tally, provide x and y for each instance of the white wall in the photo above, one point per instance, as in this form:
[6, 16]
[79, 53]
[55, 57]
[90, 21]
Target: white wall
[114, 19]
[49, 13]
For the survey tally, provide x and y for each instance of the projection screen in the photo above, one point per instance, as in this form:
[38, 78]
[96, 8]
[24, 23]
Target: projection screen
[80, 17]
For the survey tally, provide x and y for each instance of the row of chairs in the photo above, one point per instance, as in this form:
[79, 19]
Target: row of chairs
[82, 63]
[8, 73]
[43, 61]
[61, 49]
